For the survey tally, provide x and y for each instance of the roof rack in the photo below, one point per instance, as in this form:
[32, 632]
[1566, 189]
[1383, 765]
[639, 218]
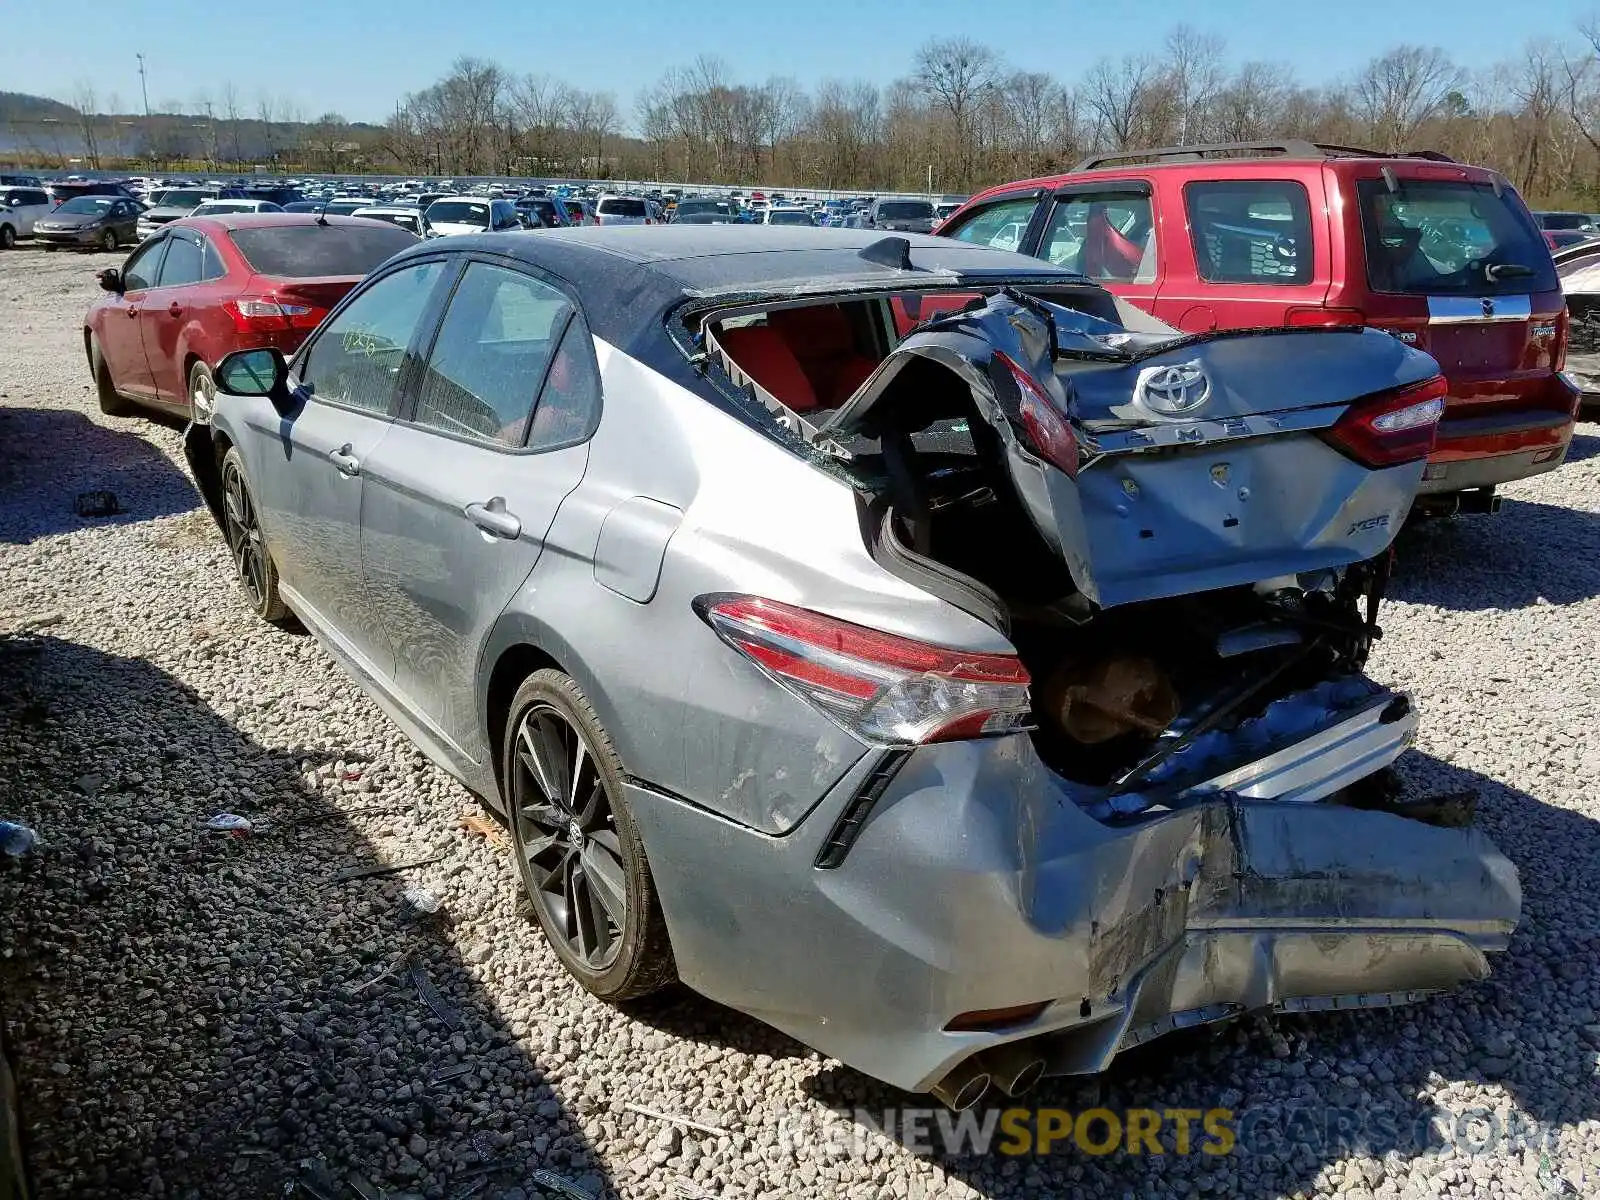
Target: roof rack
[1284, 148]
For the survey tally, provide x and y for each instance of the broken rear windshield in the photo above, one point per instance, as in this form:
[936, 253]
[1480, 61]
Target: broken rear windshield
[1436, 237]
[310, 251]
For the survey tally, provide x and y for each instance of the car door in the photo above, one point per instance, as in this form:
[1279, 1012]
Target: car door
[461, 494]
[1106, 231]
[308, 468]
[166, 311]
[121, 335]
[125, 220]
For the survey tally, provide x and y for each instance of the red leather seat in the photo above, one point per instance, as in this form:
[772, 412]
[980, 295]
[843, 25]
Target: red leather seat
[824, 345]
[1106, 253]
[764, 355]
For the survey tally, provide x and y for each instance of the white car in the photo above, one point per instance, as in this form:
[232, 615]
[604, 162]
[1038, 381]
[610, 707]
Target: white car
[213, 208]
[20, 207]
[451, 215]
[404, 215]
[787, 215]
[622, 210]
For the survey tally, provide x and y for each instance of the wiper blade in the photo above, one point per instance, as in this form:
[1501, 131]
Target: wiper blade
[1497, 271]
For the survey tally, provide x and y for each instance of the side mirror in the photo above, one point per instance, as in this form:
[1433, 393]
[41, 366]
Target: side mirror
[256, 373]
[111, 280]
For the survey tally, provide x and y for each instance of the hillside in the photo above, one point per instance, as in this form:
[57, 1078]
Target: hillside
[19, 106]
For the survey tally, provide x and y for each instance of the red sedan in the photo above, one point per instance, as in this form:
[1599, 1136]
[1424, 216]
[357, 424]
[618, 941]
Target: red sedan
[206, 286]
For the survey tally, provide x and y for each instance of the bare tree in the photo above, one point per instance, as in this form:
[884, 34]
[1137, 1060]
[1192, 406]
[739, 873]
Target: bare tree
[1195, 75]
[958, 75]
[87, 105]
[1119, 95]
[1397, 92]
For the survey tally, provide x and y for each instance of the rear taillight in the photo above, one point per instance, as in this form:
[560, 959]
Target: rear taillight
[882, 687]
[1317, 317]
[253, 314]
[1049, 431]
[1394, 427]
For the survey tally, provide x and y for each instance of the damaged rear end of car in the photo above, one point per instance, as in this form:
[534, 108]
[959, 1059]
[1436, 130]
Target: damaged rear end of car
[1160, 809]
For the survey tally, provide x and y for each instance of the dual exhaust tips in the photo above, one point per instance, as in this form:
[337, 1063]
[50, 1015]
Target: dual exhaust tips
[1014, 1069]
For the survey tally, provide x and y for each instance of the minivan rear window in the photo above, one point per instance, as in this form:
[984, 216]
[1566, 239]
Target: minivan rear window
[904, 210]
[1445, 237]
[622, 207]
[310, 251]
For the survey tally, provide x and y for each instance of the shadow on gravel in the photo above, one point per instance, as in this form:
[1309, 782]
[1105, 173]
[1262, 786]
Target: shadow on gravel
[48, 456]
[1500, 562]
[1310, 1091]
[1584, 447]
[199, 1015]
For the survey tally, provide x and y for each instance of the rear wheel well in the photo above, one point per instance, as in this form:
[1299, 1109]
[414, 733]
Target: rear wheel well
[513, 666]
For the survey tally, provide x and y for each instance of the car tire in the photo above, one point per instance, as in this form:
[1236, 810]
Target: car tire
[50, 248]
[8, 238]
[202, 393]
[109, 240]
[112, 402]
[252, 561]
[575, 847]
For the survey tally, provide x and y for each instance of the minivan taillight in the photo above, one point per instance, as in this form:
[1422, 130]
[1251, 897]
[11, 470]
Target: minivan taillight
[880, 686]
[1049, 431]
[1393, 427]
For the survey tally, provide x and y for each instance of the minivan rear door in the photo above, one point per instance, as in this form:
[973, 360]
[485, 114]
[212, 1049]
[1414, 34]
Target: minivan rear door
[1456, 266]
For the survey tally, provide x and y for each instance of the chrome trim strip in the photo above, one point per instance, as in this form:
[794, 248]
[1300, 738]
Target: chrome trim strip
[1464, 310]
[1221, 429]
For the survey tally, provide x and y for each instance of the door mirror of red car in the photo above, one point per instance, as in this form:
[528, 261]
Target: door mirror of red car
[256, 373]
[111, 280]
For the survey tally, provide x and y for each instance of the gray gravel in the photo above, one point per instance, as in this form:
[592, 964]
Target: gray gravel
[197, 1015]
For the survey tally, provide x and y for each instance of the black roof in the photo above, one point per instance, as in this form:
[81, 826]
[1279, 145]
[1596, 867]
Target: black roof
[626, 276]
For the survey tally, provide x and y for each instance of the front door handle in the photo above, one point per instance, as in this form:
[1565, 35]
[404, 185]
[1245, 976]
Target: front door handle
[133, 310]
[491, 517]
[346, 462]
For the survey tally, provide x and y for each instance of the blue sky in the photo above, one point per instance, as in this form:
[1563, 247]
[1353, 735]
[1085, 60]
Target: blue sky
[357, 58]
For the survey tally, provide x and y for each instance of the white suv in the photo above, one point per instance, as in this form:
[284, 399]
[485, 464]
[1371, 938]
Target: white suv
[622, 210]
[20, 207]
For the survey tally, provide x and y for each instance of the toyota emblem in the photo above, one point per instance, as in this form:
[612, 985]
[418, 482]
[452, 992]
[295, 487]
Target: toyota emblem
[1174, 390]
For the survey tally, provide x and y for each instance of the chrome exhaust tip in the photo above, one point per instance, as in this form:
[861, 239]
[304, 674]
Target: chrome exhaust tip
[1015, 1069]
[964, 1086]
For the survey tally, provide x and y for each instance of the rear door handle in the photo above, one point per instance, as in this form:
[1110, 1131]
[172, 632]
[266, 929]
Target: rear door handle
[491, 517]
[346, 462]
[133, 310]
[175, 309]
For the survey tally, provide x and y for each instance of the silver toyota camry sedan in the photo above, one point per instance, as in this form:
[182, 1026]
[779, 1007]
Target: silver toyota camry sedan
[902, 642]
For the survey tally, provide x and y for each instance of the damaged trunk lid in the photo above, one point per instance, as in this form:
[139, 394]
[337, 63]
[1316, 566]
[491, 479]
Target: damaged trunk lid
[1158, 465]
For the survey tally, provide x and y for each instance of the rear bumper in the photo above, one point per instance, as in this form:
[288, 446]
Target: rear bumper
[977, 882]
[1475, 452]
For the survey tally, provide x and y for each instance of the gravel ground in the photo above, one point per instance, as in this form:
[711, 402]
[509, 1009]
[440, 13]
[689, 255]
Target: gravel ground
[200, 1015]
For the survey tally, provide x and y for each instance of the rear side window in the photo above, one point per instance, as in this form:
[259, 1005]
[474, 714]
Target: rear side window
[1000, 225]
[1444, 237]
[183, 264]
[311, 250]
[1251, 231]
[493, 349]
[1106, 235]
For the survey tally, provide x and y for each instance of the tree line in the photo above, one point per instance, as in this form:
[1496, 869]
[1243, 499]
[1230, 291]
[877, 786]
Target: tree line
[959, 118]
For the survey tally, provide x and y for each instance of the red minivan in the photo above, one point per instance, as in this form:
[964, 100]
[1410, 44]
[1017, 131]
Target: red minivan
[1444, 256]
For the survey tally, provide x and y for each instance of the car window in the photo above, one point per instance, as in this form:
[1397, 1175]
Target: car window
[311, 250]
[1250, 231]
[569, 405]
[212, 267]
[139, 272]
[182, 264]
[1442, 237]
[1000, 225]
[494, 345]
[1104, 235]
[357, 356]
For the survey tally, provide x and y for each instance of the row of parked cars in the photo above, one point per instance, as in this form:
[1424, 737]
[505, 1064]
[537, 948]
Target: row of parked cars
[991, 607]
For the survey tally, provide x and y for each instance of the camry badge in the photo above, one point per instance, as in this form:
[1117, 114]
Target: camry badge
[1173, 390]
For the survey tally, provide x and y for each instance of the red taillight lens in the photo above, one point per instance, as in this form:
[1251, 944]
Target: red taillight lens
[253, 314]
[1391, 428]
[1318, 317]
[1048, 428]
[882, 687]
